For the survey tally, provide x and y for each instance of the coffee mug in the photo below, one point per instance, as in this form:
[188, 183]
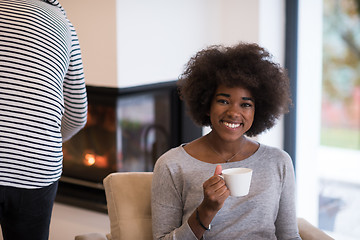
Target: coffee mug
[237, 180]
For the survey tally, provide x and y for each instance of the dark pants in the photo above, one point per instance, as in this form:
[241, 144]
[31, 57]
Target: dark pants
[26, 213]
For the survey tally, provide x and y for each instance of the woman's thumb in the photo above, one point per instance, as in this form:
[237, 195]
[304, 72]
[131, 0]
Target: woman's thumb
[218, 170]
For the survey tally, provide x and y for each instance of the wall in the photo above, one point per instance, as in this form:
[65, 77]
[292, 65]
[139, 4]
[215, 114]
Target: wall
[309, 108]
[126, 43]
[272, 37]
[95, 24]
[156, 38]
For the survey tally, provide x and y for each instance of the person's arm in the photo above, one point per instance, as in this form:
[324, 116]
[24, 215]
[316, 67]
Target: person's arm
[167, 204]
[74, 92]
[286, 221]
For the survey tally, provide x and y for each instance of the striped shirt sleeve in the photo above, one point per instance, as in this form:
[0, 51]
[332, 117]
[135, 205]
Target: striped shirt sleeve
[75, 99]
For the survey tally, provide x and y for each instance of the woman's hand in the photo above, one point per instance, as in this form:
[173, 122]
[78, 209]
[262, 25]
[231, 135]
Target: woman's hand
[215, 192]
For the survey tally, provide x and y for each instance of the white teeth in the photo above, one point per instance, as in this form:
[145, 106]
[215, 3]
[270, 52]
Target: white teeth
[231, 125]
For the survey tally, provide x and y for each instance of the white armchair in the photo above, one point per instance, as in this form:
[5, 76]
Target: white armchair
[128, 198]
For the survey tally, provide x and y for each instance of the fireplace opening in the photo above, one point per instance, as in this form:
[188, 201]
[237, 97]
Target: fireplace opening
[127, 130]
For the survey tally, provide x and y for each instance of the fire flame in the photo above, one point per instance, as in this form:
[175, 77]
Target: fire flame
[89, 159]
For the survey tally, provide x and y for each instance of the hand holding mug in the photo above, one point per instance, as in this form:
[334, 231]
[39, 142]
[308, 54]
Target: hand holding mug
[215, 191]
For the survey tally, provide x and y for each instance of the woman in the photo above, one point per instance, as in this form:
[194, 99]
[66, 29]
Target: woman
[239, 92]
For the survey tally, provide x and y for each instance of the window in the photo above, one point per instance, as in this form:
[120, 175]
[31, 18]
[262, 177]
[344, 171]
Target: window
[328, 116]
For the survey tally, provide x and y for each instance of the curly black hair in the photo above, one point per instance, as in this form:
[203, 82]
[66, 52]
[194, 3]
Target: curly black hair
[244, 65]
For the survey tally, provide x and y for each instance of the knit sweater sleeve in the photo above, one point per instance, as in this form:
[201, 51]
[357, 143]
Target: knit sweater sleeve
[167, 205]
[286, 224]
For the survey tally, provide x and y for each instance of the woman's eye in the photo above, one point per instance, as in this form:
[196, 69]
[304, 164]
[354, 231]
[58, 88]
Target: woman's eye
[222, 101]
[246, 105]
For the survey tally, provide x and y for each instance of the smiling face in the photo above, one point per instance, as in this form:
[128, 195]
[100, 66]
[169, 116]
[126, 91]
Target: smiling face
[232, 112]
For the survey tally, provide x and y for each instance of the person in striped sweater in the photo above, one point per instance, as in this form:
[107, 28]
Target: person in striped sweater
[43, 103]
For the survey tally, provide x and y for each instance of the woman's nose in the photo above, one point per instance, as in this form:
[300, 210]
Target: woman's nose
[233, 111]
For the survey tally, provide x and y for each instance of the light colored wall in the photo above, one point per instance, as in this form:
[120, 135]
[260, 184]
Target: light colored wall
[309, 109]
[95, 24]
[156, 38]
[272, 37]
[126, 43]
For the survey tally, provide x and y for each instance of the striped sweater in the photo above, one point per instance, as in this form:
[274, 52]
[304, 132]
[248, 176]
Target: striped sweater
[43, 98]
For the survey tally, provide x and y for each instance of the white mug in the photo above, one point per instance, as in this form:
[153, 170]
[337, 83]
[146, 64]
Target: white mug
[238, 180]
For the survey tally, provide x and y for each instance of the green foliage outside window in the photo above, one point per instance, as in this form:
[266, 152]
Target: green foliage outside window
[341, 74]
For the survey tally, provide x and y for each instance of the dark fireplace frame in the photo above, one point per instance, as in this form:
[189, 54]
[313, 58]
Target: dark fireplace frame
[91, 195]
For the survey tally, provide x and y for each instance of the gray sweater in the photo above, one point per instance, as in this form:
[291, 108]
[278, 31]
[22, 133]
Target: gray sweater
[267, 212]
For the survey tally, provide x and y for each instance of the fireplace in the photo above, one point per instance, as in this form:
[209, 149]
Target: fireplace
[127, 130]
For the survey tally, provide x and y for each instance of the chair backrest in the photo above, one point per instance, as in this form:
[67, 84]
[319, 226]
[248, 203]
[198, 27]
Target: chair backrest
[128, 197]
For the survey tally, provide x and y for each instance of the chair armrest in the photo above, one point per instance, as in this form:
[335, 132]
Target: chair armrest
[310, 232]
[93, 236]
